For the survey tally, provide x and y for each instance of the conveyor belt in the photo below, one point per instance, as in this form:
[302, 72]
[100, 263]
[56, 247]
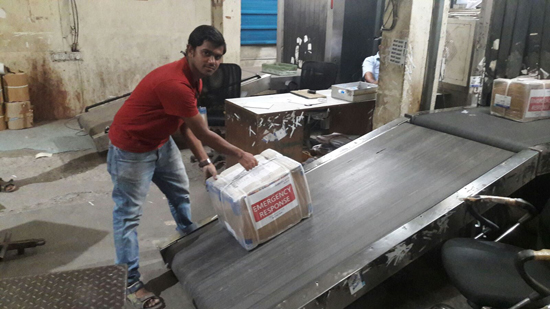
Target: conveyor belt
[358, 198]
[477, 124]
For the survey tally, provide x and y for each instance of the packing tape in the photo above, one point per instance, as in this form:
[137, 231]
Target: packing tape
[528, 79]
[15, 87]
[2, 70]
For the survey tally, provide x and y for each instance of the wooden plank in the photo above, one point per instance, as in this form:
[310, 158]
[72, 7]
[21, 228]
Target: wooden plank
[534, 39]
[237, 123]
[545, 47]
[505, 43]
[255, 133]
[519, 39]
[352, 119]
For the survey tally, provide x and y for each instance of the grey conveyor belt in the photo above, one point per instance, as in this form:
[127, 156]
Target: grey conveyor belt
[358, 198]
[479, 125]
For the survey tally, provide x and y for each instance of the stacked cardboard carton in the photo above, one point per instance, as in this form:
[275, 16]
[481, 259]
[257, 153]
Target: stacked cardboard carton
[258, 205]
[2, 116]
[18, 108]
[521, 99]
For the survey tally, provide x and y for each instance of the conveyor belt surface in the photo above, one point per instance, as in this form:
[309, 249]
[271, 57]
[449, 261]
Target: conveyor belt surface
[479, 125]
[358, 198]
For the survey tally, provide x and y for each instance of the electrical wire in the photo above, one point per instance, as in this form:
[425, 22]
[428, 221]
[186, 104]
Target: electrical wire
[79, 131]
[393, 13]
[75, 27]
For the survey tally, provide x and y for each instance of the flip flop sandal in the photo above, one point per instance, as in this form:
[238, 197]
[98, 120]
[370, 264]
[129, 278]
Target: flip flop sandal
[7, 186]
[141, 302]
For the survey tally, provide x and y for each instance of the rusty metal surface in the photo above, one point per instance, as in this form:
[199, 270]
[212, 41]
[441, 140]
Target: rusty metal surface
[99, 287]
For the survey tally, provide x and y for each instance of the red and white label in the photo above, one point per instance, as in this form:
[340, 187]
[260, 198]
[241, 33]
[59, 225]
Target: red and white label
[272, 202]
[539, 104]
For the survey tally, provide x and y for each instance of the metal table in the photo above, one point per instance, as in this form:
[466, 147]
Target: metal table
[379, 203]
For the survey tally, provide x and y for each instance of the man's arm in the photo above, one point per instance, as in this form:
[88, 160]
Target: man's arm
[200, 130]
[193, 143]
[368, 69]
[369, 77]
[196, 148]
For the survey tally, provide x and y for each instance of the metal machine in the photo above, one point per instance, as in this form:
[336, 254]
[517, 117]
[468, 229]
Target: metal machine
[379, 203]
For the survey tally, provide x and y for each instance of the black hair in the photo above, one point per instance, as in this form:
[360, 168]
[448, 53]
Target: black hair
[206, 33]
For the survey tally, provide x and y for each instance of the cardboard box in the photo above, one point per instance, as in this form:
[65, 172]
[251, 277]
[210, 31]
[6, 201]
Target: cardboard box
[3, 125]
[29, 120]
[22, 121]
[17, 123]
[1, 93]
[521, 99]
[18, 109]
[16, 87]
[2, 109]
[257, 205]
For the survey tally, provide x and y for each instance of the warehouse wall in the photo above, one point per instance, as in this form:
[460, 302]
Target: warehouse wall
[119, 42]
[400, 86]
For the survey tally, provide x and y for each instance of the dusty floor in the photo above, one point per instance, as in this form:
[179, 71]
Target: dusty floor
[66, 199]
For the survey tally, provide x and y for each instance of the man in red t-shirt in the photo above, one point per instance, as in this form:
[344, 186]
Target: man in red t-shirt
[142, 150]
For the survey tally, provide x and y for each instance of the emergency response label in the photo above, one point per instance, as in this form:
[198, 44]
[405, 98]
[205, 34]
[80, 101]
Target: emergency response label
[539, 104]
[272, 202]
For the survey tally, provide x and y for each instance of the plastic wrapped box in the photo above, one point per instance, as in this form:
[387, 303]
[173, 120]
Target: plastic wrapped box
[257, 205]
[521, 99]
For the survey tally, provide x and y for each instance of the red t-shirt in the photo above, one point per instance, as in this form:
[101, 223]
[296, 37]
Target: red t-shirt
[155, 108]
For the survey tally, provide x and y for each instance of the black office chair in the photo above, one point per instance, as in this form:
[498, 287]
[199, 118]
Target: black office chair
[498, 275]
[225, 83]
[318, 75]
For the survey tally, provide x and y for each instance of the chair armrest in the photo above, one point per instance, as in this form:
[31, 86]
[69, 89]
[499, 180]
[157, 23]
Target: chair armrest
[528, 255]
[542, 255]
[517, 202]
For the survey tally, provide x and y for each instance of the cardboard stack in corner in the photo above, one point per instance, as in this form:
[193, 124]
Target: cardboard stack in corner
[257, 205]
[3, 124]
[18, 109]
[521, 99]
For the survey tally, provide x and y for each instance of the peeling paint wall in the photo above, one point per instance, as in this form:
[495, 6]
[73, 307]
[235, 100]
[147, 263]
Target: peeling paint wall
[390, 88]
[400, 87]
[256, 55]
[119, 41]
[226, 17]
[415, 65]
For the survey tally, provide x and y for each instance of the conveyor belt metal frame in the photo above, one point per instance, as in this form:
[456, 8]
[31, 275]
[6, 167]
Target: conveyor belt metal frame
[383, 258]
[439, 223]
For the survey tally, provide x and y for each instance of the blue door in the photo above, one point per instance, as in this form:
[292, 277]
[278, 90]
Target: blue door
[258, 22]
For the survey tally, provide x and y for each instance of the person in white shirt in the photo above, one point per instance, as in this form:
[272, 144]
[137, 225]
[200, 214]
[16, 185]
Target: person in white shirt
[371, 66]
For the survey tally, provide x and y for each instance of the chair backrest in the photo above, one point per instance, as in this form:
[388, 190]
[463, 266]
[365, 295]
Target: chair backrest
[544, 228]
[318, 75]
[225, 83]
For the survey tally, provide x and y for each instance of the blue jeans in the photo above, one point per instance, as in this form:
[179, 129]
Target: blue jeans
[132, 174]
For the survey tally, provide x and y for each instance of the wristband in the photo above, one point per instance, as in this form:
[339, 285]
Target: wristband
[204, 163]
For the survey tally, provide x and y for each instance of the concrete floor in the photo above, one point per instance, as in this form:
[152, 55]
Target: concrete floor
[66, 199]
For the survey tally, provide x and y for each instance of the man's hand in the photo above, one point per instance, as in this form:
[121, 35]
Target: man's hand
[210, 171]
[200, 130]
[248, 161]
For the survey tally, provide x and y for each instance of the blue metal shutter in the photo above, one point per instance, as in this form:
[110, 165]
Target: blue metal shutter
[258, 22]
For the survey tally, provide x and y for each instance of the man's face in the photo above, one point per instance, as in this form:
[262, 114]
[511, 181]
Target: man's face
[204, 59]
